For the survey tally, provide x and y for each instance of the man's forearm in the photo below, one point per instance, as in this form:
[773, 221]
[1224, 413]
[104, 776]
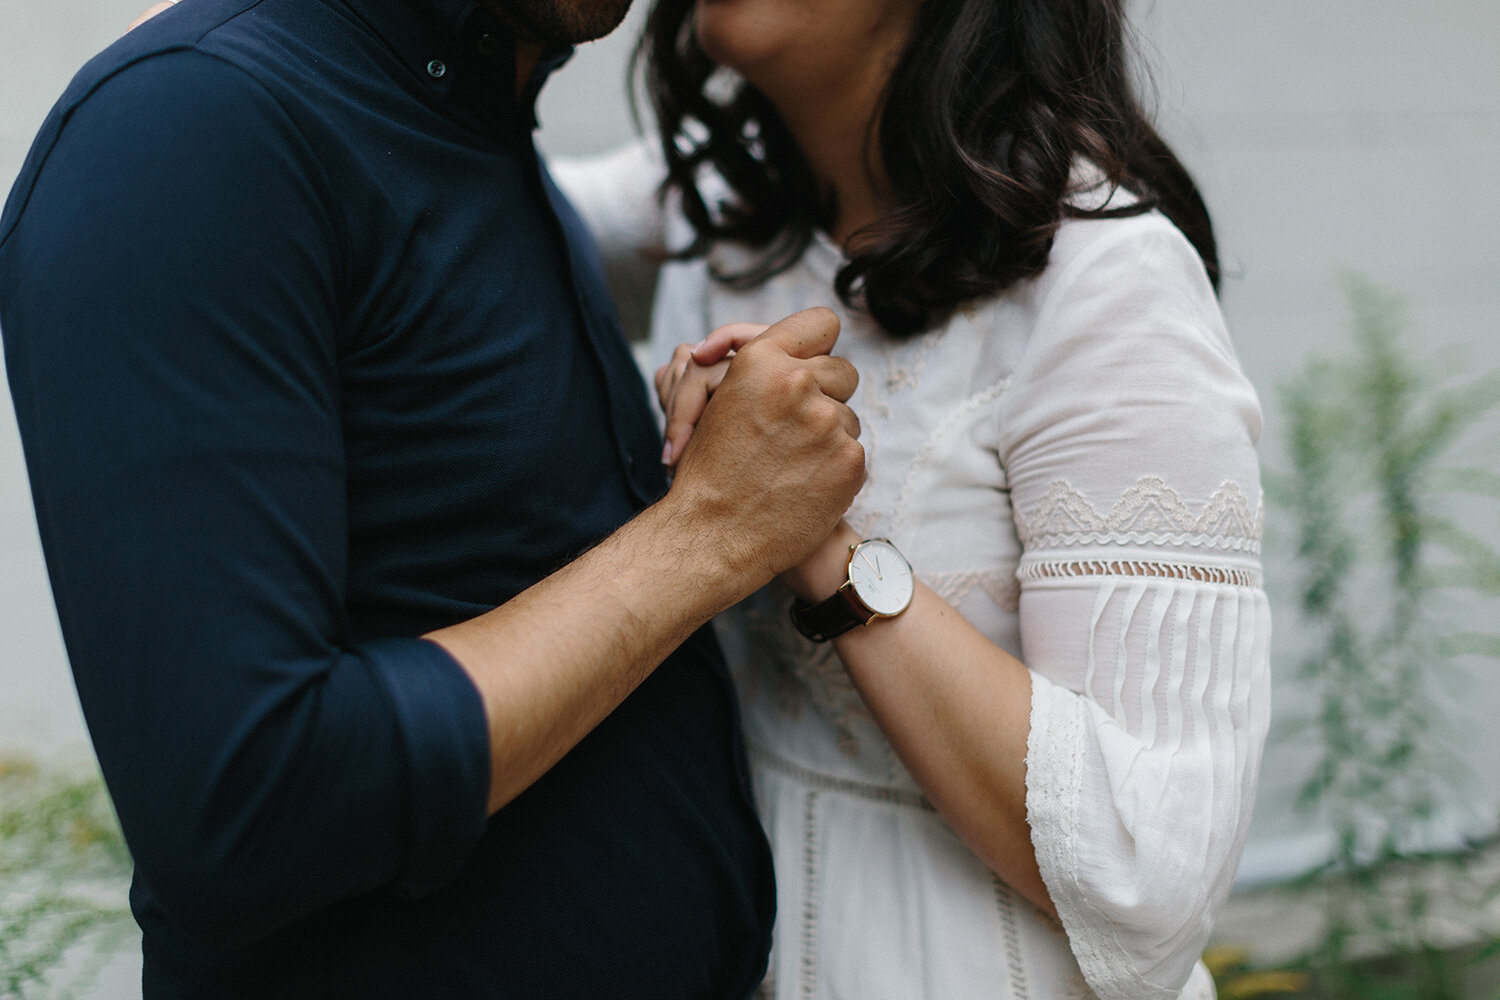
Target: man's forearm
[771, 468]
[552, 662]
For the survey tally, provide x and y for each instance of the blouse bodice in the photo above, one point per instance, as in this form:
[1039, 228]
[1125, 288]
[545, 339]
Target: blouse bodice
[1071, 465]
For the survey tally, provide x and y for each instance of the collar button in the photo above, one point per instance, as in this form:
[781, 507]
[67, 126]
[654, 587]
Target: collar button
[437, 69]
[488, 45]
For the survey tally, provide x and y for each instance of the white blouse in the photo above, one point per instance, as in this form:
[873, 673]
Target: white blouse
[1072, 466]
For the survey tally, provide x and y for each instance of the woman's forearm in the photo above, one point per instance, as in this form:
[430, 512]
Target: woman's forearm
[956, 709]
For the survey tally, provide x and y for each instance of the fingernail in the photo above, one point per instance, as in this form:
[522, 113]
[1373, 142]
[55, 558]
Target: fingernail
[666, 453]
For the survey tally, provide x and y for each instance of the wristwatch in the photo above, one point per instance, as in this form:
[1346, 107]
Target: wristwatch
[878, 584]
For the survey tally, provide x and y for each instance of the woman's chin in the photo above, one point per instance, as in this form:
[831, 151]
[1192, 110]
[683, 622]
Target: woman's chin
[730, 37]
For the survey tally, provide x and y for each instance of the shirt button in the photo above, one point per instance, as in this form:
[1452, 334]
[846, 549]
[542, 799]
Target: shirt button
[436, 69]
[488, 46]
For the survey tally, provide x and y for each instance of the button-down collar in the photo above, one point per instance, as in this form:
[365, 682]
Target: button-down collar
[462, 52]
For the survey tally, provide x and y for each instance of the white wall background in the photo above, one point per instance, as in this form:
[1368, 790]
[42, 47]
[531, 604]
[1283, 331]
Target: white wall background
[1328, 135]
[1334, 136]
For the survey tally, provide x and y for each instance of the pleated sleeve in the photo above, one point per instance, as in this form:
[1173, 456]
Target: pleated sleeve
[1129, 447]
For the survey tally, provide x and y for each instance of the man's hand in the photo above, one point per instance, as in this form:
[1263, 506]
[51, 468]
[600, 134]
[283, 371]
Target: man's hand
[775, 461]
[769, 470]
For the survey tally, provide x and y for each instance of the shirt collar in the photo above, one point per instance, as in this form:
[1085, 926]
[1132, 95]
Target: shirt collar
[461, 52]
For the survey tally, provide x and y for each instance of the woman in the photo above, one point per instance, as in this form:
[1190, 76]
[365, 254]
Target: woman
[1035, 780]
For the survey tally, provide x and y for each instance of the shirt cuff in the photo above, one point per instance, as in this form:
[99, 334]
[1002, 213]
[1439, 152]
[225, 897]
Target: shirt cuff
[445, 739]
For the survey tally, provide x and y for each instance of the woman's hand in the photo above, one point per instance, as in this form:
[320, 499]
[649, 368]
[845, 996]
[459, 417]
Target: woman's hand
[684, 384]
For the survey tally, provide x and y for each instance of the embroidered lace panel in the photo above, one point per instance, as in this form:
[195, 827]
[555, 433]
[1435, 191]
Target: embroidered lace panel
[1149, 513]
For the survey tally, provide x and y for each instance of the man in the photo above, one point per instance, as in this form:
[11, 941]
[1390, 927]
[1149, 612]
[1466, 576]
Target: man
[353, 510]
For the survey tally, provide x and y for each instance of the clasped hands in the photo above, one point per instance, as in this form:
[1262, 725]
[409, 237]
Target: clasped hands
[775, 399]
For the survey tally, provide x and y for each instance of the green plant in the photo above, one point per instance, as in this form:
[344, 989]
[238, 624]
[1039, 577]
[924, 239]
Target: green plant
[1376, 544]
[63, 875]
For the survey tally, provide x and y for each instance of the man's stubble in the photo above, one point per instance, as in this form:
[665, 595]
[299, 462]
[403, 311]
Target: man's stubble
[561, 22]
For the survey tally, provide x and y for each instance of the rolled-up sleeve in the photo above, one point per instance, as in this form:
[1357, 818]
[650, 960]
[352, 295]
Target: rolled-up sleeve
[170, 272]
[1131, 457]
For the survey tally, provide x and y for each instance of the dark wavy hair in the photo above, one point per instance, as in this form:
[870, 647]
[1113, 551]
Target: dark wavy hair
[986, 114]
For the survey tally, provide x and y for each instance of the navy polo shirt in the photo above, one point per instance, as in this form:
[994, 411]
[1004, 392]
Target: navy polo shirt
[309, 358]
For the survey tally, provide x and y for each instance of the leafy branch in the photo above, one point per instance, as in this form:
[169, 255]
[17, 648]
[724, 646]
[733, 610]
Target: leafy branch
[1368, 433]
[63, 873]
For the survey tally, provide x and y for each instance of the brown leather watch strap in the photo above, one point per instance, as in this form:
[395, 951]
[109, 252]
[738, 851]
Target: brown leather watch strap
[832, 616]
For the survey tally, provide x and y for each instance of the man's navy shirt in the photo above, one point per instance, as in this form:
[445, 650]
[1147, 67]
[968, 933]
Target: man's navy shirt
[310, 358]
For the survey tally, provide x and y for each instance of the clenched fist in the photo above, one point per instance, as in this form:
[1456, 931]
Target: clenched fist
[775, 459]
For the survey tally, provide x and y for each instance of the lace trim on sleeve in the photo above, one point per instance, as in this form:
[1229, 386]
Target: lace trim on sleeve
[1148, 513]
[1059, 569]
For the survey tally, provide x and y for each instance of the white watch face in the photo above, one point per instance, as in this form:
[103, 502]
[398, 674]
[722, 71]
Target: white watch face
[881, 576]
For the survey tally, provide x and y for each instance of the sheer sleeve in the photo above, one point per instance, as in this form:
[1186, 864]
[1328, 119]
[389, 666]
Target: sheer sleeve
[1128, 442]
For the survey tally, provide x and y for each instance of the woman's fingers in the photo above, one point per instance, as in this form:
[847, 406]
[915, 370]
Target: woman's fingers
[717, 346]
[685, 406]
[685, 383]
[669, 374]
[725, 341]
